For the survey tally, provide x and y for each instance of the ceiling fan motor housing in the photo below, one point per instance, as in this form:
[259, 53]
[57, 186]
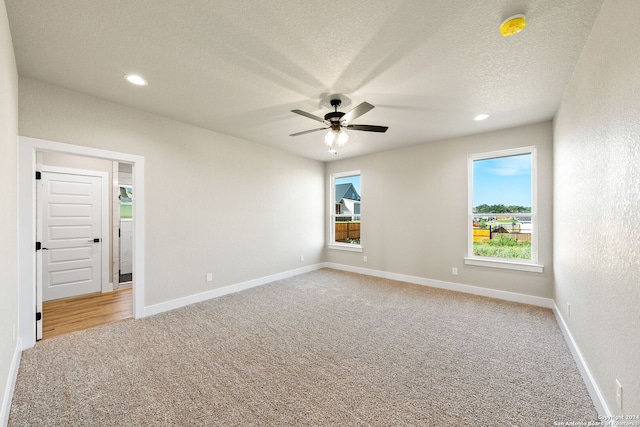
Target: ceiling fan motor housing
[334, 116]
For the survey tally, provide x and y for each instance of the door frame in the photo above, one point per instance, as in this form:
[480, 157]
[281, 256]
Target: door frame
[28, 148]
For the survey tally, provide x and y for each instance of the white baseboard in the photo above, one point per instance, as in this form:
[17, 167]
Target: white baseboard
[11, 384]
[108, 287]
[468, 289]
[594, 391]
[215, 293]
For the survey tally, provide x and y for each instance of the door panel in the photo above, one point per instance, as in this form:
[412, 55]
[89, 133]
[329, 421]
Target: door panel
[71, 262]
[83, 253]
[70, 276]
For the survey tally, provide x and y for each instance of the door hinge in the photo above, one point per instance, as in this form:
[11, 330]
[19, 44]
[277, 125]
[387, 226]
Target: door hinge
[38, 246]
[38, 316]
[96, 240]
[38, 175]
[118, 232]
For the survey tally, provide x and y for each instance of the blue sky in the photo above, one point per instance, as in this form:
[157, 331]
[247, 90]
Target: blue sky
[503, 180]
[355, 180]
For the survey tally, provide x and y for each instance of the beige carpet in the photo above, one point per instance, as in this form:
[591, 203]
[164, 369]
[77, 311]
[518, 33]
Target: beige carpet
[324, 348]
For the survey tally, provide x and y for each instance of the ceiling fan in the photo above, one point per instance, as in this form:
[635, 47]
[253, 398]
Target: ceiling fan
[337, 121]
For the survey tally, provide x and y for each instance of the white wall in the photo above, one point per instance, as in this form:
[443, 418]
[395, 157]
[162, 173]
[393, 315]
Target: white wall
[597, 203]
[8, 209]
[414, 210]
[213, 203]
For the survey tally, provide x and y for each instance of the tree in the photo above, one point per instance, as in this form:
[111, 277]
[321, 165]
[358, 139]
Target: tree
[500, 209]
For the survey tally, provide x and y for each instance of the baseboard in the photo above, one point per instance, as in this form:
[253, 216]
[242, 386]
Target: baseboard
[11, 384]
[440, 284]
[108, 287]
[226, 290]
[594, 391]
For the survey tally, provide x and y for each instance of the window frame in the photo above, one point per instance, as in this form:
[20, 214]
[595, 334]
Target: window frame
[332, 214]
[530, 265]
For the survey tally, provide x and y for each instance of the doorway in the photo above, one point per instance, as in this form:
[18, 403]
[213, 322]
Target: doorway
[28, 148]
[75, 211]
[125, 226]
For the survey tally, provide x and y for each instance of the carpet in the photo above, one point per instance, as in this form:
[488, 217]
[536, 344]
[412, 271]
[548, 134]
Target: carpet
[322, 348]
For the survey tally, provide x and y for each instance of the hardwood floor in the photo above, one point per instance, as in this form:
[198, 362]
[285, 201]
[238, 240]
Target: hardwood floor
[62, 316]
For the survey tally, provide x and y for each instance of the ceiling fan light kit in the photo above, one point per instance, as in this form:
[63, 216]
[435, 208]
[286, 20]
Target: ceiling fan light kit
[336, 121]
[339, 138]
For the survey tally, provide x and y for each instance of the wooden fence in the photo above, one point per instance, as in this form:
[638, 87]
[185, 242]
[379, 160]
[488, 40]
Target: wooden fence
[347, 231]
[481, 234]
[484, 235]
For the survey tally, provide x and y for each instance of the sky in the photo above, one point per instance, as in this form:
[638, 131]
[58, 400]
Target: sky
[502, 180]
[355, 180]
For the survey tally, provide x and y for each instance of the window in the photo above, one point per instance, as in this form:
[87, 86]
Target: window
[345, 211]
[126, 202]
[502, 210]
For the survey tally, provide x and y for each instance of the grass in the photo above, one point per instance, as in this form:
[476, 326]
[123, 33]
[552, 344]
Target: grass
[503, 247]
[126, 211]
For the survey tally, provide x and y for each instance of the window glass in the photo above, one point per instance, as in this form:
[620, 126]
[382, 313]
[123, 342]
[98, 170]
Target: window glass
[345, 216]
[502, 211]
[126, 202]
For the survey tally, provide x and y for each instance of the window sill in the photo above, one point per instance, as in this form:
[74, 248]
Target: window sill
[345, 247]
[509, 265]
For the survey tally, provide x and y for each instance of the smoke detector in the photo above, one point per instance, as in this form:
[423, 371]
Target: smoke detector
[512, 25]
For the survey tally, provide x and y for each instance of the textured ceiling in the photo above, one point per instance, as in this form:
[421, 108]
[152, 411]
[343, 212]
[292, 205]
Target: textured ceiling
[240, 66]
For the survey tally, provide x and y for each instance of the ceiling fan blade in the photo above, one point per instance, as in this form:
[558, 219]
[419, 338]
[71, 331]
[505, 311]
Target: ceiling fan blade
[309, 115]
[357, 112]
[307, 131]
[368, 128]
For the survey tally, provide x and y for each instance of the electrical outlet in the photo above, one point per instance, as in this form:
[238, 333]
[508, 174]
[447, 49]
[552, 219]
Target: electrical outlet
[209, 277]
[301, 258]
[619, 394]
[568, 310]
[364, 258]
[454, 271]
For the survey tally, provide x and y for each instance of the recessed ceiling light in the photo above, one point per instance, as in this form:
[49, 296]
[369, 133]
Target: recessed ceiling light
[481, 117]
[135, 79]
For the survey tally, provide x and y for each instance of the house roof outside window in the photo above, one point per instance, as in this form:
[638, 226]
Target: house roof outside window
[346, 191]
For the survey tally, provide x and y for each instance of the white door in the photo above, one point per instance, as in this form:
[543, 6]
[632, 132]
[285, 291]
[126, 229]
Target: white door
[71, 235]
